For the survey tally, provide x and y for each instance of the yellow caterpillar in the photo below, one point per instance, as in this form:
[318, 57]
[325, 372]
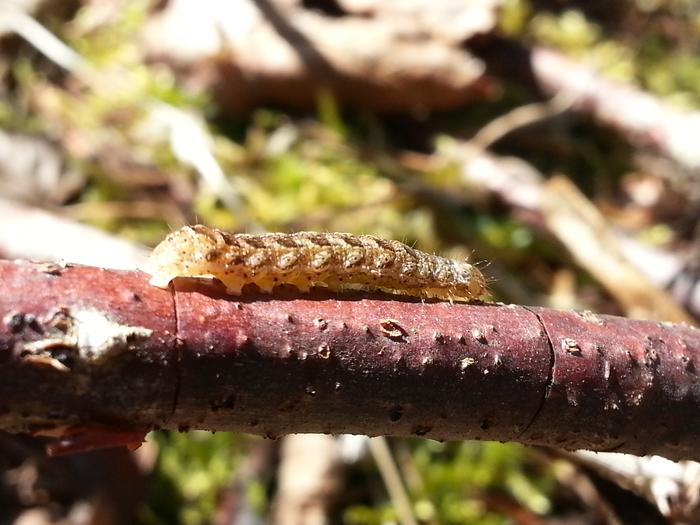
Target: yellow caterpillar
[337, 261]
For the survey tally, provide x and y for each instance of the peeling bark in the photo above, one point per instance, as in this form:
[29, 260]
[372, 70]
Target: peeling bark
[193, 357]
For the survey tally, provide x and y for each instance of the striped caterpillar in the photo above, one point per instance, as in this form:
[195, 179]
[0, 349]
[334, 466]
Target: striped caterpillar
[337, 261]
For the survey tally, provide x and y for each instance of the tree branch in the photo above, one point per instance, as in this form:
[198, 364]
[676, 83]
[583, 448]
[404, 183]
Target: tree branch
[82, 346]
[640, 117]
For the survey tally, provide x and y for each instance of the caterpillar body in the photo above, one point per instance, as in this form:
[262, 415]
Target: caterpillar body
[337, 261]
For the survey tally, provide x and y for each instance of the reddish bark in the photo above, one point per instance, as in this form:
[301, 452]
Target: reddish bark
[359, 363]
[48, 378]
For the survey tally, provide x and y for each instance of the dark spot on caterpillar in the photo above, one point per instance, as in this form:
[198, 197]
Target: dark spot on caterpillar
[287, 242]
[253, 241]
[353, 241]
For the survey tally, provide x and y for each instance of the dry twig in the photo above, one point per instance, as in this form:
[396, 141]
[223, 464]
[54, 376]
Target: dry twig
[98, 347]
[581, 227]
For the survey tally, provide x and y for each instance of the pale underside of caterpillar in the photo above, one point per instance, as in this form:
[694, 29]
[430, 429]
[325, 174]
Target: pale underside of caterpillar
[337, 261]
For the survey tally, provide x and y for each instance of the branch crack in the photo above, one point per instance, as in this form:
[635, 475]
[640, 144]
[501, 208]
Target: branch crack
[178, 349]
[550, 373]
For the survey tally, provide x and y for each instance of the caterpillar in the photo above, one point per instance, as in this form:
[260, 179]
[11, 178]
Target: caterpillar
[337, 261]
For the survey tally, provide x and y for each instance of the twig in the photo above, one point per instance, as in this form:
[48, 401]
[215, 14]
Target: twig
[671, 486]
[639, 117]
[14, 19]
[99, 347]
[309, 479]
[381, 453]
[189, 140]
[583, 230]
[518, 184]
[520, 117]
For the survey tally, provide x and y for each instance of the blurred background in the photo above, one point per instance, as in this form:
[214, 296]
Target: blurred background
[555, 143]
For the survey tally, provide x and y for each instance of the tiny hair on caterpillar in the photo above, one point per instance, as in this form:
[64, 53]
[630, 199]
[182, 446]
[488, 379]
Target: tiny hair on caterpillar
[336, 261]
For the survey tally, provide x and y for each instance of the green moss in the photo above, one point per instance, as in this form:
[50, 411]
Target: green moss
[651, 59]
[191, 471]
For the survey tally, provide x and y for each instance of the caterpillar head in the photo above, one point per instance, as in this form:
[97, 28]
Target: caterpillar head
[186, 252]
